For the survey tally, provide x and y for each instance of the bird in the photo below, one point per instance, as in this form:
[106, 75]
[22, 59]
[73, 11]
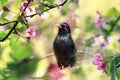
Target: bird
[64, 47]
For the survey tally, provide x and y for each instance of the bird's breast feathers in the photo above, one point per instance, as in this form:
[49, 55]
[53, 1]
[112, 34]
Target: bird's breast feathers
[62, 38]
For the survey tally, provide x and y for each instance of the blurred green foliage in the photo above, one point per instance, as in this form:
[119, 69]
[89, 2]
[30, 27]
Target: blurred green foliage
[3, 3]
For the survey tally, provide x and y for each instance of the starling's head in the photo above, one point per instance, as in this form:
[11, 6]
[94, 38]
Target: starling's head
[64, 29]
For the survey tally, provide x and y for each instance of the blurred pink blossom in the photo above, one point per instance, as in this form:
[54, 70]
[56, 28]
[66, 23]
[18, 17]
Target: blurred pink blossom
[71, 21]
[99, 61]
[98, 12]
[101, 42]
[98, 21]
[54, 72]
[30, 32]
[23, 5]
[104, 25]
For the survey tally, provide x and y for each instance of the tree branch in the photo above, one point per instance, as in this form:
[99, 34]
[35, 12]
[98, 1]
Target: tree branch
[112, 27]
[22, 14]
[52, 54]
[47, 56]
[16, 23]
[62, 4]
[114, 24]
[25, 7]
[6, 23]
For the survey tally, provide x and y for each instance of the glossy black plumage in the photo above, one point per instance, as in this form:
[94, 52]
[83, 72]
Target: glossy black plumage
[64, 47]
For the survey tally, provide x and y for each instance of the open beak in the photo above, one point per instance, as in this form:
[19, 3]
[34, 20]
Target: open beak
[58, 25]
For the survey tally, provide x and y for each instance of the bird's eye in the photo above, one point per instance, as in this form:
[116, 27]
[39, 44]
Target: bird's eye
[66, 29]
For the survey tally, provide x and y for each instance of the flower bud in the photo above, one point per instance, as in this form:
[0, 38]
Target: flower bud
[5, 8]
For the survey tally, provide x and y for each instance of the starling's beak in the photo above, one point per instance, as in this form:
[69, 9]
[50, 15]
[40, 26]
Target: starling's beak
[58, 25]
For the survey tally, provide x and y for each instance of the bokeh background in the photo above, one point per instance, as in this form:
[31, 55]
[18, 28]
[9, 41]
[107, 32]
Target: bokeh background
[15, 51]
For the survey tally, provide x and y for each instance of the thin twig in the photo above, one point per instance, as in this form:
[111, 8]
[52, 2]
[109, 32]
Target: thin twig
[52, 54]
[19, 34]
[36, 78]
[6, 23]
[47, 56]
[31, 15]
[25, 7]
[16, 23]
[82, 52]
[62, 4]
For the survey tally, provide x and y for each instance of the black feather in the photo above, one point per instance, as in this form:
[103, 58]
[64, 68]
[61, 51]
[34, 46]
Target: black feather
[64, 47]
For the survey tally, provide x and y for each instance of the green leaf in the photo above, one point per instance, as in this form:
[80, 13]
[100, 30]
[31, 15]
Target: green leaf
[3, 20]
[89, 26]
[112, 12]
[19, 70]
[49, 1]
[22, 20]
[2, 73]
[117, 62]
[118, 73]
[108, 70]
[39, 10]
[20, 51]
[79, 72]
[4, 14]
[3, 3]
[3, 33]
[117, 59]
[113, 70]
[89, 42]
[19, 26]
[65, 10]
[13, 19]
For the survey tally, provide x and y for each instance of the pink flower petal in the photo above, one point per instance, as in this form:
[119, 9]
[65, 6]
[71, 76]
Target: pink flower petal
[23, 5]
[97, 22]
[99, 57]
[99, 61]
[30, 32]
[54, 72]
[71, 21]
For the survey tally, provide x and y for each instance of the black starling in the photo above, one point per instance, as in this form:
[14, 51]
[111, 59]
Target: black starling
[64, 47]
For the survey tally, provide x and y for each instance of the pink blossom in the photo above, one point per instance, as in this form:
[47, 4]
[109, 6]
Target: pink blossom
[98, 21]
[98, 12]
[99, 61]
[30, 32]
[23, 5]
[71, 21]
[104, 25]
[101, 42]
[5, 8]
[54, 72]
